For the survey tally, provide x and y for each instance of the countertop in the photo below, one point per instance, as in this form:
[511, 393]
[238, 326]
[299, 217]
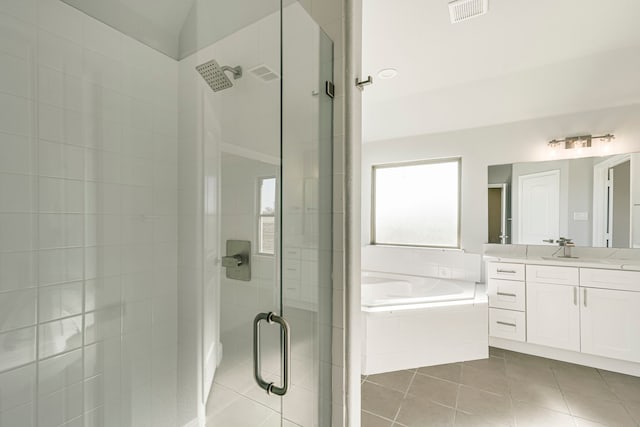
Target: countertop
[584, 262]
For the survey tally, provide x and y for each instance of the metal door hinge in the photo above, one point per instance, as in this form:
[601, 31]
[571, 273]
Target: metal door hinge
[330, 89]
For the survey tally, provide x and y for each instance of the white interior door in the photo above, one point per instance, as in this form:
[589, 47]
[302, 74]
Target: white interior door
[539, 207]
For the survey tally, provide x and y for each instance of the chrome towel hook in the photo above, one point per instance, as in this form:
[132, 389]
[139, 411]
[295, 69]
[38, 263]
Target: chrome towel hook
[360, 84]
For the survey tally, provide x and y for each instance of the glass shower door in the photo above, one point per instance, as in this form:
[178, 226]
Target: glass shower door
[307, 210]
[275, 192]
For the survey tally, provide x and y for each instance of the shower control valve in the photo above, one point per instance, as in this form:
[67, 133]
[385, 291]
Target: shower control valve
[232, 261]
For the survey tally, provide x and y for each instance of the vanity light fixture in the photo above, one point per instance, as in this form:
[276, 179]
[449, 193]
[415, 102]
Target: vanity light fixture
[579, 142]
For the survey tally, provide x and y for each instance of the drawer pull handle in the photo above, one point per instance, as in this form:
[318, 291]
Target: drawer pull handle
[506, 294]
[575, 296]
[506, 323]
[506, 271]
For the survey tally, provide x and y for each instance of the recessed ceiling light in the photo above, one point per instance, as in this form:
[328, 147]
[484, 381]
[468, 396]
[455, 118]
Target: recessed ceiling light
[387, 73]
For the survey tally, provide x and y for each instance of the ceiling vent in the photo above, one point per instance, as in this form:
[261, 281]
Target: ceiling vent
[461, 10]
[264, 73]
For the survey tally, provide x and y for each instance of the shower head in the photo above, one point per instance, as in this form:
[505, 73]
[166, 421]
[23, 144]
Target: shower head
[214, 75]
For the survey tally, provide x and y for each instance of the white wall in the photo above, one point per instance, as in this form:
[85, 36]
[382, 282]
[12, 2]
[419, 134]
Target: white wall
[88, 222]
[481, 147]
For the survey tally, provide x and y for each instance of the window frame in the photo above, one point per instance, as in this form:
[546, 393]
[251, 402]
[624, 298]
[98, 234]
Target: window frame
[374, 168]
[260, 215]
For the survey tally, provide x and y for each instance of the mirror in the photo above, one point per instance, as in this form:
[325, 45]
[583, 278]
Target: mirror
[595, 201]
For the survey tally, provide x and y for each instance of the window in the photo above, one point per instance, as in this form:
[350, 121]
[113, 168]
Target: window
[417, 204]
[267, 216]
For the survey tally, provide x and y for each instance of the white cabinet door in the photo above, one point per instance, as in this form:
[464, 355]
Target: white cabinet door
[611, 323]
[553, 316]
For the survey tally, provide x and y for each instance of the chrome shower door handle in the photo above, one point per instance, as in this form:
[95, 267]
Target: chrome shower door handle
[286, 355]
[271, 388]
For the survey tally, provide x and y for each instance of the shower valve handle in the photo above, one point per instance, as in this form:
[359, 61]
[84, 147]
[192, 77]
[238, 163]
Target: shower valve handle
[232, 261]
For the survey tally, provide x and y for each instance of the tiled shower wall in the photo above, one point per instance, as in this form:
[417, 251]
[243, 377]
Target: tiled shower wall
[88, 222]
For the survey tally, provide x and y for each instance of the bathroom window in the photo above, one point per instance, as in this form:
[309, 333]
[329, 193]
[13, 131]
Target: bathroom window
[267, 216]
[417, 203]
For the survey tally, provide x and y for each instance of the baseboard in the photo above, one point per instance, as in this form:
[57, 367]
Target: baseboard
[614, 365]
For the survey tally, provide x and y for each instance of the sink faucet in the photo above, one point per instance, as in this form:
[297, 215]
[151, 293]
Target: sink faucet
[565, 244]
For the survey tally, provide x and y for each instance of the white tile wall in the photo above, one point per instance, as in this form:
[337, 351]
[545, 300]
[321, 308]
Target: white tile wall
[88, 221]
[85, 133]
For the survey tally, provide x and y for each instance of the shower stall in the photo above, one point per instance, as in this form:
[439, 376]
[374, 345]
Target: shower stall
[165, 214]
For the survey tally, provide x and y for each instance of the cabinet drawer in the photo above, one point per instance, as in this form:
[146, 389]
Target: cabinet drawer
[291, 253]
[507, 294]
[291, 269]
[503, 270]
[507, 324]
[552, 274]
[291, 289]
[610, 279]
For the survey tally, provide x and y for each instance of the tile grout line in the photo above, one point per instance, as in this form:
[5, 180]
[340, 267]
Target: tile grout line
[508, 394]
[564, 397]
[404, 396]
[622, 402]
[377, 415]
[455, 409]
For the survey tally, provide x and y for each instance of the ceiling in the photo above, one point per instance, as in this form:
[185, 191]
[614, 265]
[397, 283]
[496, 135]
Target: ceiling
[522, 60]
[177, 28]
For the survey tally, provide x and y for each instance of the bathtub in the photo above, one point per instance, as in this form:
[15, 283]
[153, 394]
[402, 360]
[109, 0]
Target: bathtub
[402, 291]
[415, 321]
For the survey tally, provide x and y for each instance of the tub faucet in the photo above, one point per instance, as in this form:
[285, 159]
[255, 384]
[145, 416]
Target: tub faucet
[565, 244]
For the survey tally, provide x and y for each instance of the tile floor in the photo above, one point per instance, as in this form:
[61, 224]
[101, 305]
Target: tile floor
[237, 401]
[508, 389]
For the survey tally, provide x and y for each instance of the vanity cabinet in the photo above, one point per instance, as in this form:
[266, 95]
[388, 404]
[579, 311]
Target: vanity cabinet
[300, 278]
[610, 323]
[506, 290]
[553, 315]
[553, 311]
[559, 311]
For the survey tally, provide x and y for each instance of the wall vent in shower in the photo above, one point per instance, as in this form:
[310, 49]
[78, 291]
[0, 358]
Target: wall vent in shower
[461, 10]
[264, 73]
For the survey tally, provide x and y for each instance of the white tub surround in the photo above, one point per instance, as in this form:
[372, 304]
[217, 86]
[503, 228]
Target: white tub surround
[421, 307]
[583, 310]
[385, 291]
[429, 262]
[424, 334]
